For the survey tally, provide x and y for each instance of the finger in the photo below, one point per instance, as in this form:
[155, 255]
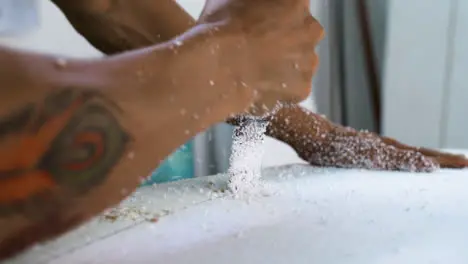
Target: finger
[436, 153]
[453, 162]
[314, 29]
[446, 160]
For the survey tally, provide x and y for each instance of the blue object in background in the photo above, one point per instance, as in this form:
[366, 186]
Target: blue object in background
[179, 165]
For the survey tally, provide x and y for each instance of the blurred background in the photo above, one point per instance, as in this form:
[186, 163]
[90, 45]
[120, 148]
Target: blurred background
[398, 67]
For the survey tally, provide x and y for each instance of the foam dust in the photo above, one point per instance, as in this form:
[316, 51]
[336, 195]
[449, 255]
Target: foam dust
[246, 156]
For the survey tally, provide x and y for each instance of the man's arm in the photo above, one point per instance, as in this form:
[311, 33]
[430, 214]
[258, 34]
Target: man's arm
[323, 143]
[78, 136]
[125, 25]
[117, 26]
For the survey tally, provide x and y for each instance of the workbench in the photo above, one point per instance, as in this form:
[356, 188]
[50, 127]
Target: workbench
[304, 215]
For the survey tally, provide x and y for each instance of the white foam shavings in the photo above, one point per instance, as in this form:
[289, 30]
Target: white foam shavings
[246, 157]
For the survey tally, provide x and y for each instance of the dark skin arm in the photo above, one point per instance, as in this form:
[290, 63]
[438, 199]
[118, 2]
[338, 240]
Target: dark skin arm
[118, 26]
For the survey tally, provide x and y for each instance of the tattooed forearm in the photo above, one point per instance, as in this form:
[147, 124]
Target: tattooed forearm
[55, 149]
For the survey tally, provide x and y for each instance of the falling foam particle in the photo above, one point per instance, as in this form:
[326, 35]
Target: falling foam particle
[212, 82]
[245, 161]
[61, 63]
[183, 111]
[187, 132]
[131, 155]
[284, 85]
[196, 117]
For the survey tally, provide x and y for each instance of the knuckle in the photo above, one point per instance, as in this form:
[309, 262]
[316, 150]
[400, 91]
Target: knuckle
[315, 29]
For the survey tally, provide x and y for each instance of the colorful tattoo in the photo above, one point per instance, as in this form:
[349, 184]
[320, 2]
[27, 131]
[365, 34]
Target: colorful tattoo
[63, 146]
